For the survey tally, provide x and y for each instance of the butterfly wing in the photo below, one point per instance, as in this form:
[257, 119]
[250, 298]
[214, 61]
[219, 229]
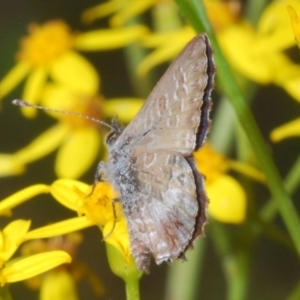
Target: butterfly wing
[176, 114]
[151, 163]
[162, 213]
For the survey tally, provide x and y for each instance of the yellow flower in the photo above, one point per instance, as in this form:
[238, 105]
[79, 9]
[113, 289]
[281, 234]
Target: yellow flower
[77, 139]
[47, 51]
[165, 19]
[23, 268]
[103, 209]
[256, 52]
[168, 42]
[292, 128]
[50, 51]
[223, 13]
[14, 234]
[261, 51]
[60, 283]
[97, 208]
[227, 197]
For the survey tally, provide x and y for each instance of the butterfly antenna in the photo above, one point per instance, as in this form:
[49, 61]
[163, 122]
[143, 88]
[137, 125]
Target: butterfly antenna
[22, 103]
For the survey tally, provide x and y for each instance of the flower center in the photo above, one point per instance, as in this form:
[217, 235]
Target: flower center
[46, 42]
[87, 106]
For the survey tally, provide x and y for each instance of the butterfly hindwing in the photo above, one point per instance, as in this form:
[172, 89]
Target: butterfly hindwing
[162, 214]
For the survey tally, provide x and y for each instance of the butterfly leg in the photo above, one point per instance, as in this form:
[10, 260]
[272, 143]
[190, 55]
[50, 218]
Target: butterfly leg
[99, 176]
[115, 218]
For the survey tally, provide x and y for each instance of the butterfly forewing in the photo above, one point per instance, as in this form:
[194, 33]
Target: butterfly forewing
[151, 163]
[171, 114]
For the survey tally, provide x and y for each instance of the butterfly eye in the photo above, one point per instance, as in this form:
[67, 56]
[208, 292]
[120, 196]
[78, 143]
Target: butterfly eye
[115, 133]
[111, 138]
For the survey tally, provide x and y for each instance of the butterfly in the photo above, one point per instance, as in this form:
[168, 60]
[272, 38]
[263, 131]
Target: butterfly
[151, 162]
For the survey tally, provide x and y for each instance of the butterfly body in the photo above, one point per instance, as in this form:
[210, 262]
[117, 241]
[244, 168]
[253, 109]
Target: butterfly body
[151, 163]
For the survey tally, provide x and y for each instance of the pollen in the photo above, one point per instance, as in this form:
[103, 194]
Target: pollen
[46, 42]
[99, 206]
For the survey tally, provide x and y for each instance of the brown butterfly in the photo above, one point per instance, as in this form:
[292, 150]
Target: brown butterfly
[151, 161]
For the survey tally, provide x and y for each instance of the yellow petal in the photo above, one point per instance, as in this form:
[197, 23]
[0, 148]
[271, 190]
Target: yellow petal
[33, 265]
[12, 236]
[32, 89]
[75, 72]
[289, 79]
[167, 50]
[133, 9]
[67, 191]
[227, 200]
[59, 228]
[290, 129]
[16, 230]
[1, 246]
[22, 196]
[9, 165]
[59, 286]
[295, 23]
[247, 170]
[153, 40]
[274, 30]
[107, 39]
[100, 11]
[13, 78]
[42, 145]
[77, 153]
[124, 108]
[242, 36]
[163, 54]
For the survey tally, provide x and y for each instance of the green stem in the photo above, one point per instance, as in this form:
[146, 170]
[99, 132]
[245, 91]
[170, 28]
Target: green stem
[291, 183]
[126, 269]
[229, 86]
[239, 275]
[221, 135]
[181, 273]
[235, 261]
[132, 290]
[254, 9]
[134, 54]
